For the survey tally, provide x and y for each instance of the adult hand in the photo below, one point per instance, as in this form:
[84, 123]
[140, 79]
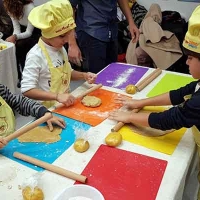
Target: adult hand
[135, 33]
[74, 54]
[12, 39]
[90, 77]
[3, 142]
[66, 99]
[56, 121]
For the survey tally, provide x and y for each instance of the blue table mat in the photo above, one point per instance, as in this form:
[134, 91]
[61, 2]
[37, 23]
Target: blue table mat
[42, 151]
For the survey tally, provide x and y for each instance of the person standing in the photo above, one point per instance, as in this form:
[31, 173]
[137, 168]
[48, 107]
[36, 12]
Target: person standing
[97, 32]
[24, 36]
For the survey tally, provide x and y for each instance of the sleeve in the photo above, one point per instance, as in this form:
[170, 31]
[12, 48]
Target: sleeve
[22, 104]
[31, 72]
[177, 96]
[185, 115]
[16, 26]
[27, 33]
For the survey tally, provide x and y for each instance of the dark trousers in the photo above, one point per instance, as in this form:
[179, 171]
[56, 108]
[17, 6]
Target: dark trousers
[22, 48]
[96, 54]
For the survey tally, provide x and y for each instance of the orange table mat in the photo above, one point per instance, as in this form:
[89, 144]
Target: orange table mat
[92, 116]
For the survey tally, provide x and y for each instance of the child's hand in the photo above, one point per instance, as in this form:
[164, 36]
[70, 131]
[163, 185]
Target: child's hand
[56, 121]
[90, 77]
[66, 98]
[3, 142]
[120, 116]
[125, 101]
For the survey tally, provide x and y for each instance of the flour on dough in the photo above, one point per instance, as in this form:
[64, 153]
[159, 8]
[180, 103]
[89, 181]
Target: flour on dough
[41, 134]
[91, 101]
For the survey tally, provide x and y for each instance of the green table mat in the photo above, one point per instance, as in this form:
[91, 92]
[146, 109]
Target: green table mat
[170, 82]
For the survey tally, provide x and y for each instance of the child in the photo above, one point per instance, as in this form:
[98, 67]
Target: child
[22, 105]
[47, 72]
[186, 112]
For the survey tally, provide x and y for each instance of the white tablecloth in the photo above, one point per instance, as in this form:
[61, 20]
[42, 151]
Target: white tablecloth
[180, 172]
[8, 67]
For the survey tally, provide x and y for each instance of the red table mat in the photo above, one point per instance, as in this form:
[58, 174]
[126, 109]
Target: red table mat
[92, 116]
[123, 175]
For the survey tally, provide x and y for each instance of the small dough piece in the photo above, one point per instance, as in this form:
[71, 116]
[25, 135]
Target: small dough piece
[131, 89]
[91, 101]
[113, 139]
[81, 145]
[35, 194]
[41, 134]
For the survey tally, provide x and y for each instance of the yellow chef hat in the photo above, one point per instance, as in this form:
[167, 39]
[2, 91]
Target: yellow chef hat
[192, 37]
[54, 18]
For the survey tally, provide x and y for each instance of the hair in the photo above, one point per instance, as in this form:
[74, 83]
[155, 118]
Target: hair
[15, 7]
[188, 52]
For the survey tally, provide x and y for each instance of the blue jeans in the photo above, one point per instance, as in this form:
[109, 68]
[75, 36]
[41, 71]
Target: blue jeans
[96, 54]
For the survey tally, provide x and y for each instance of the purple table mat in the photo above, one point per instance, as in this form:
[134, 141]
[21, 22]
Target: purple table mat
[119, 75]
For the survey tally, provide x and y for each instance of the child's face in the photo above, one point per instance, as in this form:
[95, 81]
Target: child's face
[194, 66]
[59, 41]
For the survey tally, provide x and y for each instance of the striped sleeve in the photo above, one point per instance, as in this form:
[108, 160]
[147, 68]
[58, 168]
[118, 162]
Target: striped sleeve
[22, 104]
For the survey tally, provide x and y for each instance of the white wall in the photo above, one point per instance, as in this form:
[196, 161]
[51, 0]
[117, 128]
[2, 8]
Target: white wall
[184, 8]
[39, 2]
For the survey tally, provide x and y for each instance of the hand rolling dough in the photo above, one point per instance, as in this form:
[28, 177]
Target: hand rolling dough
[91, 101]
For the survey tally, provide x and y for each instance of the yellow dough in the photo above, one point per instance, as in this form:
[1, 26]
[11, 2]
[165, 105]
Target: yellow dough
[81, 145]
[131, 89]
[29, 194]
[41, 134]
[91, 101]
[113, 139]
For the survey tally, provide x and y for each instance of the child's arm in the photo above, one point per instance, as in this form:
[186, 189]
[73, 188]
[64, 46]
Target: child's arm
[88, 76]
[37, 94]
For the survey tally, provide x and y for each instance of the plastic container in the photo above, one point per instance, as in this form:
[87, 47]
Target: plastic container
[80, 190]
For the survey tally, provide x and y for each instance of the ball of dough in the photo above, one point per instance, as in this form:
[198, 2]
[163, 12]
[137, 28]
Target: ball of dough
[113, 139]
[81, 145]
[131, 89]
[91, 101]
[35, 194]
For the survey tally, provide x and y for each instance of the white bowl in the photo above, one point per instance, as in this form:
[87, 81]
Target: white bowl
[80, 190]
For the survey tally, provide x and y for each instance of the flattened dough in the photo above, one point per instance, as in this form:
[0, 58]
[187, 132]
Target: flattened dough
[148, 131]
[41, 134]
[91, 101]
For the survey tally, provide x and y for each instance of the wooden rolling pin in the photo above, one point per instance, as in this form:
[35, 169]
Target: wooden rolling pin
[27, 128]
[83, 94]
[50, 167]
[142, 84]
[120, 124]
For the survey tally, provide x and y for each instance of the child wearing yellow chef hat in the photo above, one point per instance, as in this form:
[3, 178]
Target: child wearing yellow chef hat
[186, 100]
[47, 72]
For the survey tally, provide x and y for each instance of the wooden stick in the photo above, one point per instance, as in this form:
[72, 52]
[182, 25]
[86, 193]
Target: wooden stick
[50, 167]
[25, 129]
[142, 84]
[89, 90]
[120, 124]
[83, 94]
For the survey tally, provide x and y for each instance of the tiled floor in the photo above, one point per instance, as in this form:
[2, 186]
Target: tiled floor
[21, 120]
